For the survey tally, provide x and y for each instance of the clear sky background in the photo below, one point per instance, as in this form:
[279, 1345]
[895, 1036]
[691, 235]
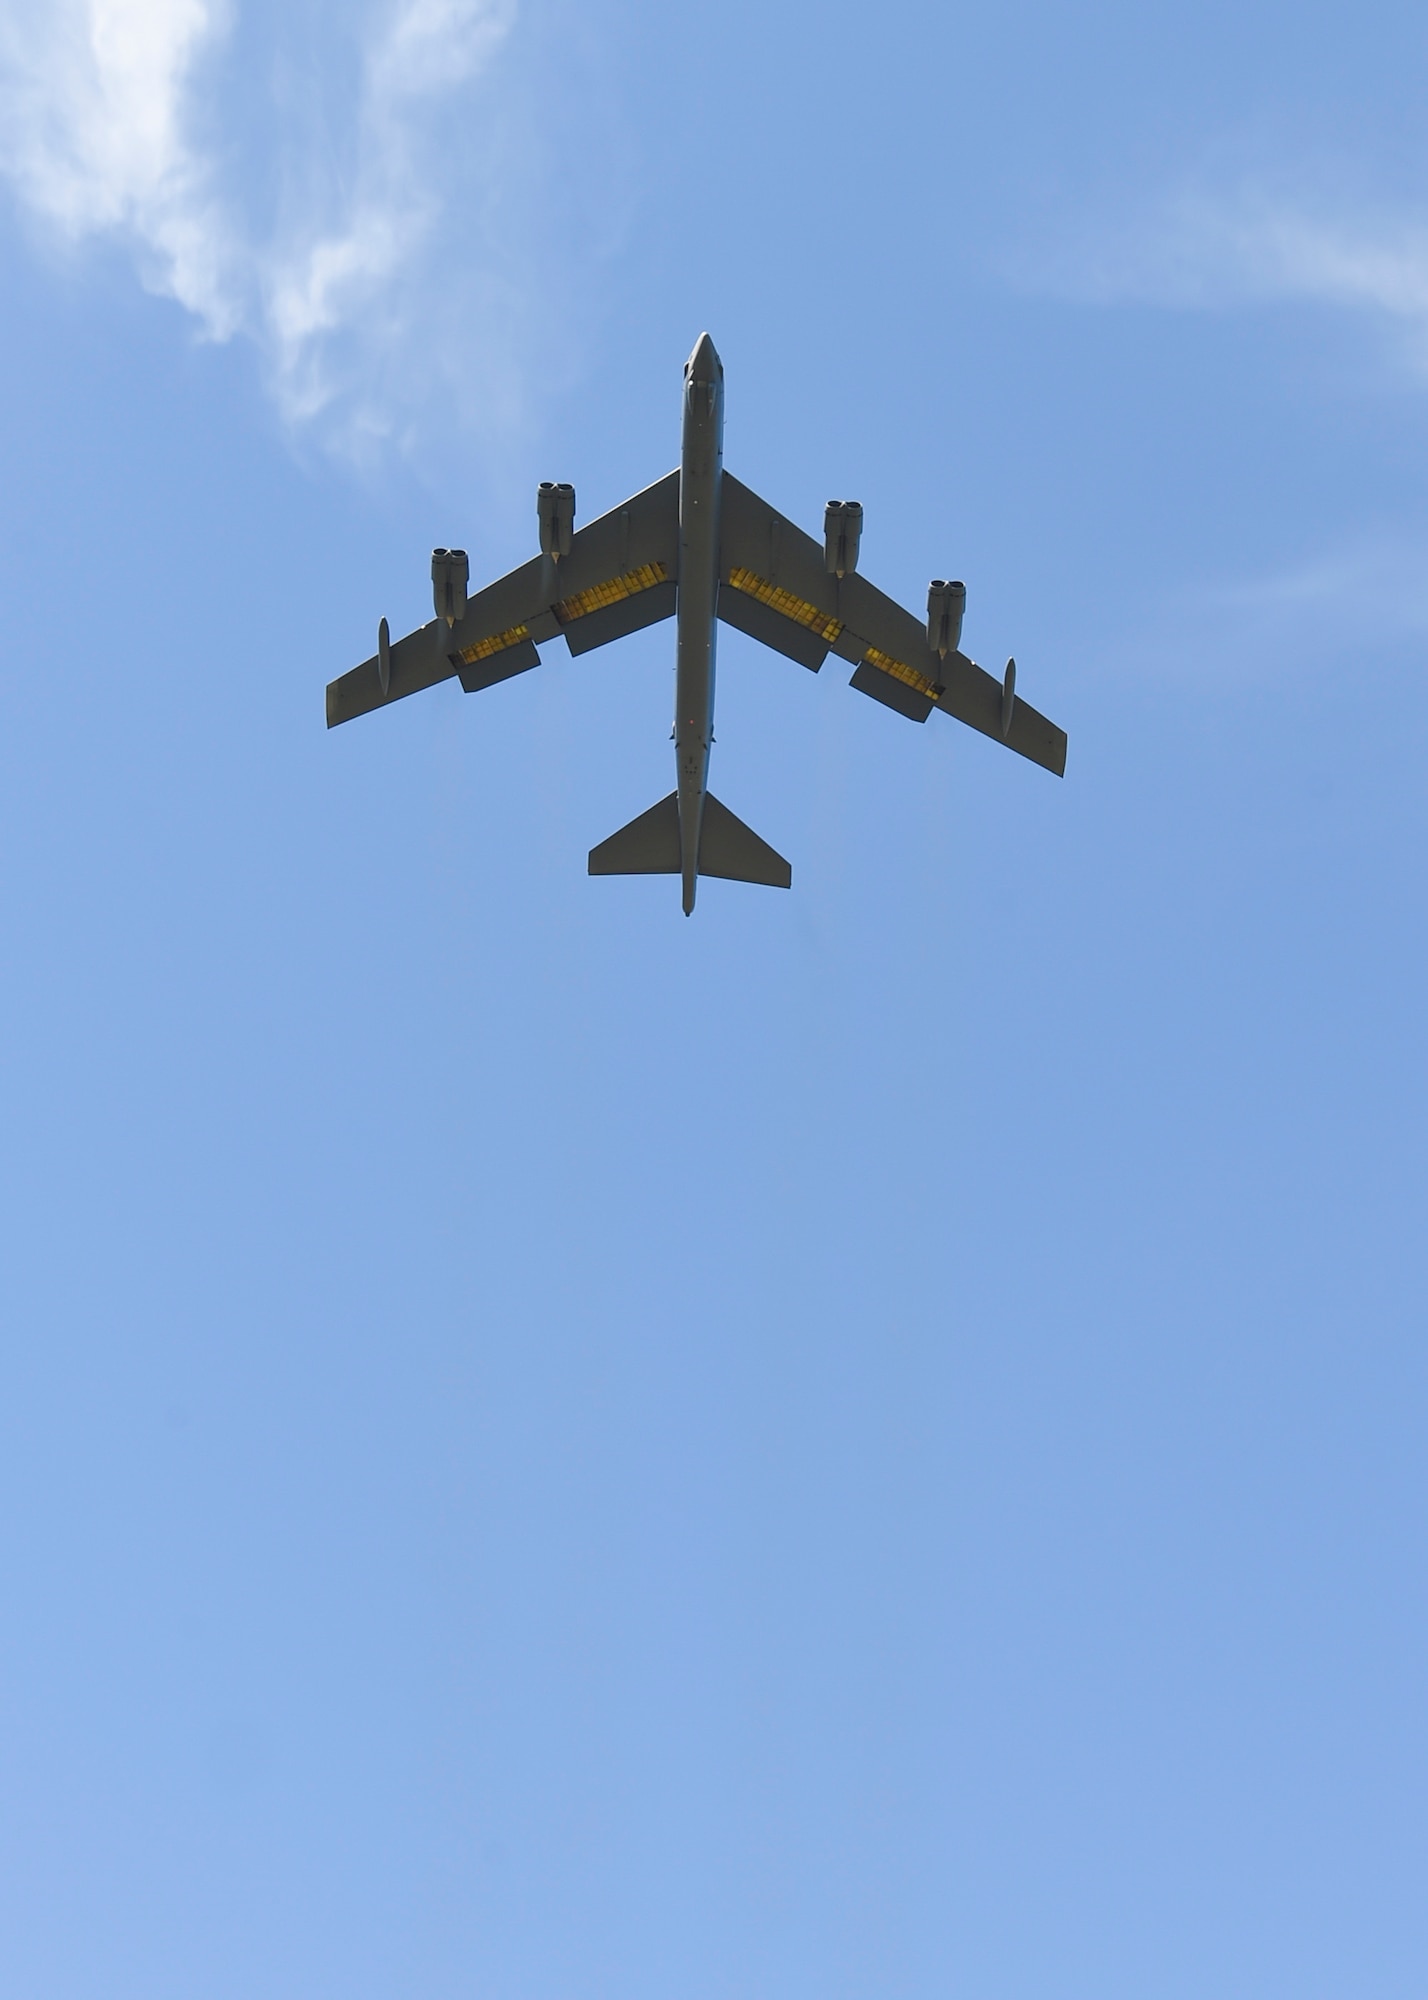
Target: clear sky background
[870, 1443]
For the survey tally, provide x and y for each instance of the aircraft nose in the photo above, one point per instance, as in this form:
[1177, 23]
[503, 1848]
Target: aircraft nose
[704, 362]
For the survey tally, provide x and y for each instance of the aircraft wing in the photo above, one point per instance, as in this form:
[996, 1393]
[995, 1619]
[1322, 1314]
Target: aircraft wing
[774, 585]
[621, 574]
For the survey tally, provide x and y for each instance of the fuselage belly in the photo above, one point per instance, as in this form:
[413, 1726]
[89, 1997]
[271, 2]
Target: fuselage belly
[701, 472]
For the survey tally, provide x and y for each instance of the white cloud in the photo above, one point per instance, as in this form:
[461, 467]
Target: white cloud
[317, 281]
[1204, 250]
[116, 120]
[1341, 606]
[92, 112]
[1227, 241]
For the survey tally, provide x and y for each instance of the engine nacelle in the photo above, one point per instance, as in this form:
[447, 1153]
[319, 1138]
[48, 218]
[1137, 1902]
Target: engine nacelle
[555, 506]
[450, 573]
[946, 604]
[842, 532]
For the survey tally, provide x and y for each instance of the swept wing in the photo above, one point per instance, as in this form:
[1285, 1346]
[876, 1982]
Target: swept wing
[620, 574]
[774, 585]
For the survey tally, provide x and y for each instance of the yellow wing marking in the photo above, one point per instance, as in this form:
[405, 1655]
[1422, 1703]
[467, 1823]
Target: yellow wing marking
[796, 608]
[484, 648]
[601, 594]
[901, 671]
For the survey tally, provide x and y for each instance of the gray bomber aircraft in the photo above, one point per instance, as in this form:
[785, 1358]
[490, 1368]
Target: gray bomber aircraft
[697, 547]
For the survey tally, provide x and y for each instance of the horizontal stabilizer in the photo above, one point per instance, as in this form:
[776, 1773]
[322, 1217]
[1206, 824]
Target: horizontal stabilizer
[649, 845]
[734, 851]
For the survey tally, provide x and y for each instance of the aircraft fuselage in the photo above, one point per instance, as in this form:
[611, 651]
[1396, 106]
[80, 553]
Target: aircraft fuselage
[701, 472]
[698, 546]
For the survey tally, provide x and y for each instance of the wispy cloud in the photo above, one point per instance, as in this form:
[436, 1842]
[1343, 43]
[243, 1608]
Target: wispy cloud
[1254, 244]
[1230, 240]
[1369, 594]
[340, 260]
[93, 97]
[1342, 606]
[117, 119]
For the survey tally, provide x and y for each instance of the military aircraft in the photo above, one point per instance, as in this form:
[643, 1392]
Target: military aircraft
[697, 547]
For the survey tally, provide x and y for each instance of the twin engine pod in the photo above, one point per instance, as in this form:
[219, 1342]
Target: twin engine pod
[842, 532]
[555, 506]
[450, 573]
[946, 604]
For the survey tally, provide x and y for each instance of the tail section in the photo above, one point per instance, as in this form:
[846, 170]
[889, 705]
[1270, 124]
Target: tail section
[650, 845]
[729, 848]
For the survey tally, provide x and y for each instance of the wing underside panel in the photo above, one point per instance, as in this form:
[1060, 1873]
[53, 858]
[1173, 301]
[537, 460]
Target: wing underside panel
[621, 574]
[646, 605]
[892, 692]
[516, 658]
[975, 697]
[774, 585]
[746, 613]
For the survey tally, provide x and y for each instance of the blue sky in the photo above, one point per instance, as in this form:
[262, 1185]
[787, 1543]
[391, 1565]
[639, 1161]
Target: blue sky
[871, 1442]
